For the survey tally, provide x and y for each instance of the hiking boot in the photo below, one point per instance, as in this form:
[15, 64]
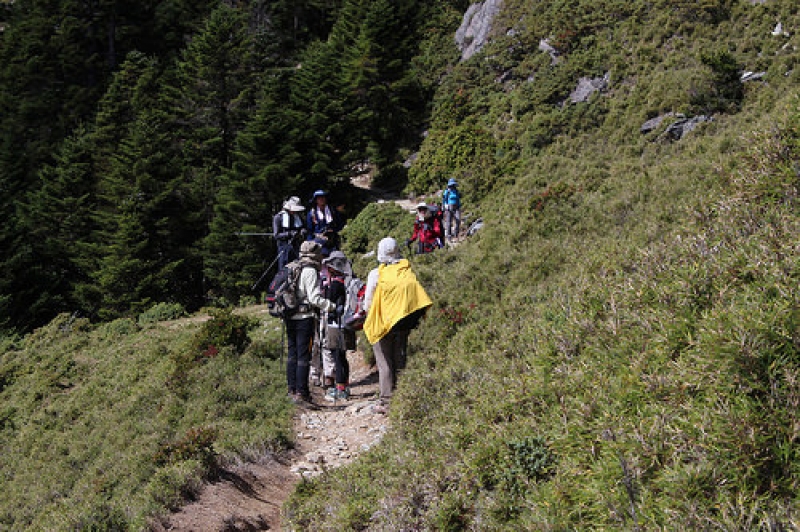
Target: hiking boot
[302, 399]
[334, 394]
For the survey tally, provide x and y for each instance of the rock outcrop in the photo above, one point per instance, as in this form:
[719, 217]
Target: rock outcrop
[588, 86]
[476, 27]
[681, 127]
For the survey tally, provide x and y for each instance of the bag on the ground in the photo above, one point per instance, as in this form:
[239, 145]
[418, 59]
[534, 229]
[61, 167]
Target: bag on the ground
[354, 313]
[282, 299]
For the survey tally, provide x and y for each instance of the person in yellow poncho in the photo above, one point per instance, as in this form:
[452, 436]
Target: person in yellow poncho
[395, 302]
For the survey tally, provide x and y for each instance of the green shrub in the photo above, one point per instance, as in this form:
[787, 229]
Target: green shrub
[223, 330]
[119, 327]
[375, 222]
[162, 312]
[196, 444]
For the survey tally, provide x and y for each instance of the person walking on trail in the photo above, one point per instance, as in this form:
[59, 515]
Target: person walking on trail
[323, 223]
[395, 302]
[451, 203]
[334, 345]
[427, 230]
[289, 231]
[300, 326]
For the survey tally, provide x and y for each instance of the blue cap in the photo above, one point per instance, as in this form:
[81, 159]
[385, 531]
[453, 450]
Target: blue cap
[452, 183]
[319, 193]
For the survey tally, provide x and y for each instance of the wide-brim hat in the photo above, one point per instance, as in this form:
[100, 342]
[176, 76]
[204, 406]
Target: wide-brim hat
[338, 261]
[311, 250]
[452, 183]
[319, 193]
[422, 205]
[293, 205]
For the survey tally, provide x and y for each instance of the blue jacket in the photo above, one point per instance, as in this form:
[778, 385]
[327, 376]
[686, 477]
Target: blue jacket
[451, 198]
[317, 226]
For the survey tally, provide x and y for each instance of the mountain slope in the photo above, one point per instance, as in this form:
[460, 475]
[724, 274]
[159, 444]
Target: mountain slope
[619, 345]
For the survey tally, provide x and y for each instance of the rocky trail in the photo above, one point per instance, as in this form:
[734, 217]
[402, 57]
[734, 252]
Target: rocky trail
[248, 496]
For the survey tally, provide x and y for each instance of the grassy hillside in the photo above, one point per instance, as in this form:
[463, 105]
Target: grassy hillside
[102, 428]
[620, 346]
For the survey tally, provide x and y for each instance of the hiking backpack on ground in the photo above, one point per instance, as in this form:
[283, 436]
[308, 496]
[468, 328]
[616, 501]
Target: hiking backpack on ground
[282, 300]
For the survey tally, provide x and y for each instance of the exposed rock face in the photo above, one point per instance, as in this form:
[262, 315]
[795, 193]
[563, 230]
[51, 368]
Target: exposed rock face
[681, 127]
[476, 26]
[588, 86]
[752, 76]
[654, 123]
[545, 46]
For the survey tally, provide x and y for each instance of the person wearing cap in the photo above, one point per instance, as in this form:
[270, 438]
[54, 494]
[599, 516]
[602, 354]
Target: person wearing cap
[395, 302]
[427, 230]
[323, 223]
[334, 347]
[289, 230]
[451, 203]
[300, 326]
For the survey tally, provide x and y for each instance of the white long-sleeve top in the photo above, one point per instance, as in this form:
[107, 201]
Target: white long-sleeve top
[309, 293]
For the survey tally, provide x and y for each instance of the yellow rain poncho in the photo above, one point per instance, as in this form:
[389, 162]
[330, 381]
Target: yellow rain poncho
[397, 295]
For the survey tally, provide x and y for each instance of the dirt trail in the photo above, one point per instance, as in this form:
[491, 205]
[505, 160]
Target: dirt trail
[248, 496]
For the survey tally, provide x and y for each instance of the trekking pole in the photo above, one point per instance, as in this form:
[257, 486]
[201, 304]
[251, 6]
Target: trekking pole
[283, 340]
[253, 288]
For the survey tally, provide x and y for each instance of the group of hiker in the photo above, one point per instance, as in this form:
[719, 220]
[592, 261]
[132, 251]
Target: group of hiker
[434, 225]
[323, 303]
[321, 224]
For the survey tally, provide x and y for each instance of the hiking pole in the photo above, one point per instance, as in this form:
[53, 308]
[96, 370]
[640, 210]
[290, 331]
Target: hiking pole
[253, 288]
[283, 339]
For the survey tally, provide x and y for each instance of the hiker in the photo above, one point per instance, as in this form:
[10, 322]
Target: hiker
[323, 223]
[395, 302]
[334, 345]
[427, 230]
[451, 203]
[323, 365]
[300, 326]
[289, 230]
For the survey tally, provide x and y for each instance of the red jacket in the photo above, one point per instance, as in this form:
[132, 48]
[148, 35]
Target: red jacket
[428, 232]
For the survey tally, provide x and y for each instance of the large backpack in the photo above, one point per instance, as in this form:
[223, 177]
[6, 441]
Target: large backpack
[354, 313]
[282, 299]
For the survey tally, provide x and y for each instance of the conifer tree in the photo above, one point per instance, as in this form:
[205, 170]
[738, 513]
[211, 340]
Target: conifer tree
[141, 231]
[266, 168]
[59, 220]
[318, 95]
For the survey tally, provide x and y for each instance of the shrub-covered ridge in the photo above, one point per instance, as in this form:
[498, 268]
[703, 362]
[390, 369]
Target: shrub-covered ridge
[104, 428]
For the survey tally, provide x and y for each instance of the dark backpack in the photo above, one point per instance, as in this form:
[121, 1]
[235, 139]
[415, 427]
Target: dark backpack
[282, 300]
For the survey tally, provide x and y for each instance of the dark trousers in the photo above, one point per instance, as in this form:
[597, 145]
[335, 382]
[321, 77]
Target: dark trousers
[299, 334]
[286, 253]
[342, 366]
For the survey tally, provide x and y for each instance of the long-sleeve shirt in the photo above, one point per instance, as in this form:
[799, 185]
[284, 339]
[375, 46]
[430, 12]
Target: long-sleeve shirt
[309, 293]
[286, 225]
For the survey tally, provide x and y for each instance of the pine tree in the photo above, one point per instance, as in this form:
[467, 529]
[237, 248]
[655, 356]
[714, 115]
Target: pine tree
[385, 100]
[216, 81]
[266, 169]
[141, 234]
[59, 220]
[317, 95]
